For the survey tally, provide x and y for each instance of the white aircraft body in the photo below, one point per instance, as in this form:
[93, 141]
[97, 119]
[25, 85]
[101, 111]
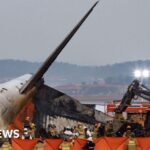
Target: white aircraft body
[11, 100]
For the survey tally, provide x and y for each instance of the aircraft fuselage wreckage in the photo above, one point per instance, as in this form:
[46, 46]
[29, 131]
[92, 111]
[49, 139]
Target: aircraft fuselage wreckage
[15, 94]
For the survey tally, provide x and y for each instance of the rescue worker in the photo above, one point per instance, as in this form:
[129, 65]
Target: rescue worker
[26, 134]
[100, 130]
[128, 131]
[109, 129]
[90, 145]
[68, 134]
[27, 122]
[75, 132]
[88, 134]
[95, 131]
[6, 146]
[81, 132]
[65, 145]
[52, 133]
[33, 130]
[131, 143]
[39, 145]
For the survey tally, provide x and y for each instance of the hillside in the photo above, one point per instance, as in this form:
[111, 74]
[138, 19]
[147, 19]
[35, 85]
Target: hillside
[85, 83]
[64, 73]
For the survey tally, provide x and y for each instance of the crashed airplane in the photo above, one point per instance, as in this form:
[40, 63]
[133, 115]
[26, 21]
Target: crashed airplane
[15, 94]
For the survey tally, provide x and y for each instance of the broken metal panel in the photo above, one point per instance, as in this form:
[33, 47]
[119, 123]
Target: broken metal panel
[51, 102]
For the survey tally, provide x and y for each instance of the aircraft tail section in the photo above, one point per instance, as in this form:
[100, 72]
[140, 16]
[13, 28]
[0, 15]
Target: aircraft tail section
[48, 62]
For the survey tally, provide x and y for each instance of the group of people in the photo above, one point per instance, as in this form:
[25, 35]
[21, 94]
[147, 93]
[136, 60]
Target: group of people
[82, 131]
[29, 129]
[69, 134]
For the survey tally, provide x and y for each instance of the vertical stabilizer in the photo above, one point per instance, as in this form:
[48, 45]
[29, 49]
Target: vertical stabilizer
[48, 62]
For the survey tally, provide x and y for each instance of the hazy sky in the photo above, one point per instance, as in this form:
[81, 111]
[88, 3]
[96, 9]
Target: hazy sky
[116, 31]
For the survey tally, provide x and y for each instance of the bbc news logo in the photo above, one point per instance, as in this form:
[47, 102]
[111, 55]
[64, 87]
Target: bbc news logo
[9, 134]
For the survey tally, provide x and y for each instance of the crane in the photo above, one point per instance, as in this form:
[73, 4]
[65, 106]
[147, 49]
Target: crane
[134, 90]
